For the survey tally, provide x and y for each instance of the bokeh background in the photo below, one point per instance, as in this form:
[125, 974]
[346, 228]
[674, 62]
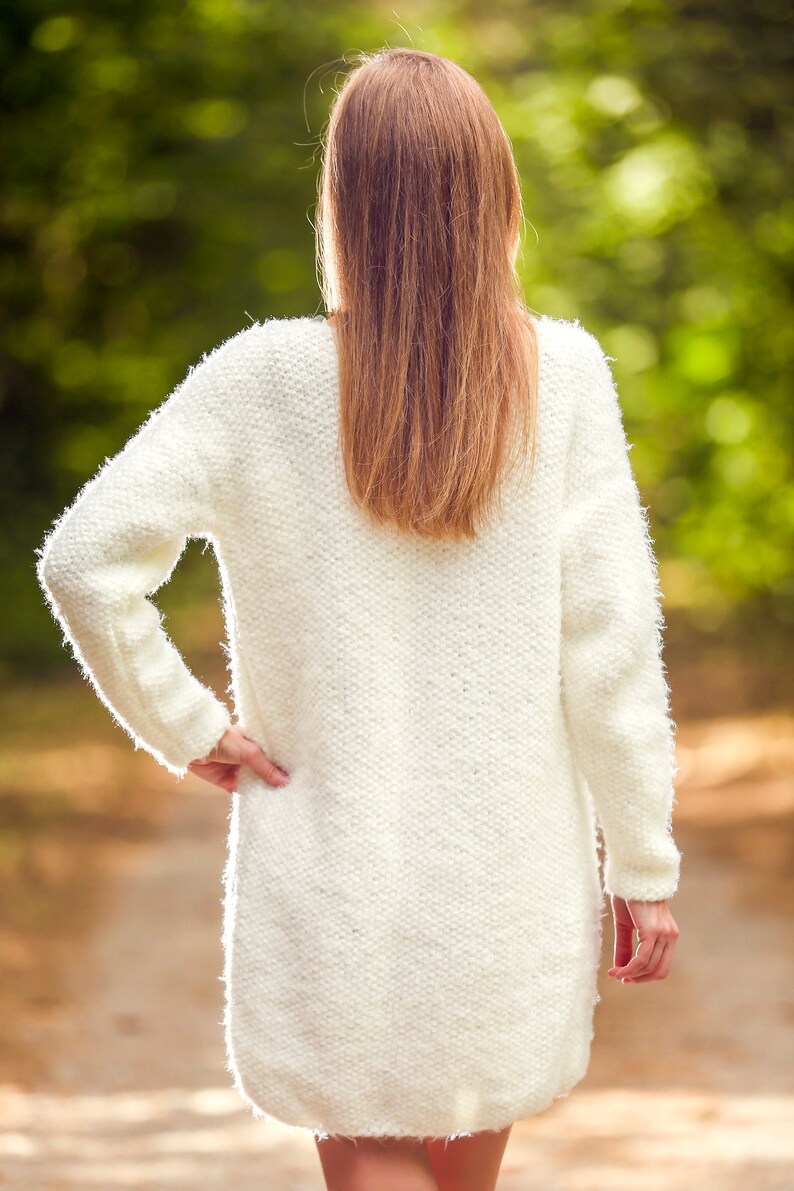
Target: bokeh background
[160, 183]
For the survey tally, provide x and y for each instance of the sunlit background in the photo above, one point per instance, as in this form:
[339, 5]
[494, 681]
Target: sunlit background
[159, 192]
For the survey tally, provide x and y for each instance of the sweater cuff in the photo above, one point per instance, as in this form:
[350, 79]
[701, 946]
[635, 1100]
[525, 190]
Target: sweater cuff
[642, 884]
[205, 732]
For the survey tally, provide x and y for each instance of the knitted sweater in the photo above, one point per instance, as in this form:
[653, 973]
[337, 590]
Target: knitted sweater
[412, 926]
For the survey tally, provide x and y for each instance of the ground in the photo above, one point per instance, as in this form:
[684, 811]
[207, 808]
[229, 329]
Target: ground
[115, 1077]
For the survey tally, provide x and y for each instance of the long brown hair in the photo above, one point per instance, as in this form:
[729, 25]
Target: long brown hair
[419, 217]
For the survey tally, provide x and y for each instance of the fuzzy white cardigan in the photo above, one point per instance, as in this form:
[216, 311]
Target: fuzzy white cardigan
[412, 926]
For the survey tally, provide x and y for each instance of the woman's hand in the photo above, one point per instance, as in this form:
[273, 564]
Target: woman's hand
[657, 932]
[221, 766]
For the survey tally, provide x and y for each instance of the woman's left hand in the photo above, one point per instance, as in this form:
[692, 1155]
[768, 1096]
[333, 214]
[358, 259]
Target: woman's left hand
[221, 766]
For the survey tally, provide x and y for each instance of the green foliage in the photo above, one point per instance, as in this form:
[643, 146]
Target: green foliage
[160, 187]
[655, 140]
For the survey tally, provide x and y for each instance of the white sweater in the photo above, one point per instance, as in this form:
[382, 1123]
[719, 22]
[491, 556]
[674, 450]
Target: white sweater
[413, 924]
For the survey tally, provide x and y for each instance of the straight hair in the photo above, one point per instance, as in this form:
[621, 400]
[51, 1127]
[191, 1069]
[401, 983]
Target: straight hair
[419, 217]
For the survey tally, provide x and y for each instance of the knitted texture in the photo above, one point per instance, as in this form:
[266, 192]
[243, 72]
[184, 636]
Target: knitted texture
[413, 925]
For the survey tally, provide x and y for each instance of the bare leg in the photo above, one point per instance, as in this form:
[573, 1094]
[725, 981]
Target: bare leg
[468, 1163]
[375, 1164]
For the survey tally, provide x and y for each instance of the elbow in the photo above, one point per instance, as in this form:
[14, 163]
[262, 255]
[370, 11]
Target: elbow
[54, 572]
[62, 575]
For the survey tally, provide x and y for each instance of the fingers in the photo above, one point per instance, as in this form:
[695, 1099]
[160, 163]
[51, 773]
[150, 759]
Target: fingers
[221, 767]
[661, 971]
[624, 932]
[657, 932]
[638, 962]
[263, 766]
[216, 773]
[647, 957]
[652, 961]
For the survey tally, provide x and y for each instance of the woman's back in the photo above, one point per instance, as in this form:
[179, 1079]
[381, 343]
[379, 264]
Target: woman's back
[446, 710]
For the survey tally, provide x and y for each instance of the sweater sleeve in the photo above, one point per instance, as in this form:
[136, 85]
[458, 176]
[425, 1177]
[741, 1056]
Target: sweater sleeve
[615, 691]
[119, 541]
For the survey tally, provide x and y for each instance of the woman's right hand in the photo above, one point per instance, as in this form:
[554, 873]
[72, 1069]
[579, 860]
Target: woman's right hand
[657, 933]
[221, 766]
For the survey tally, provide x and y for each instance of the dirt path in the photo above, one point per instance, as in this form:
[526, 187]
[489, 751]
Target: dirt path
[690, 1084]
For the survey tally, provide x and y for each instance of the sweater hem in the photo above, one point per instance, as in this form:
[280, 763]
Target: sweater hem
[493, 1122]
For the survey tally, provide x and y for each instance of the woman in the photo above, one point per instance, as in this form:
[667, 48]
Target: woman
[447, 670]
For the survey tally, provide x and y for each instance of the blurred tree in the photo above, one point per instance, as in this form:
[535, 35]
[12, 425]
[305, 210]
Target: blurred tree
[657, 142]
[160, 186]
